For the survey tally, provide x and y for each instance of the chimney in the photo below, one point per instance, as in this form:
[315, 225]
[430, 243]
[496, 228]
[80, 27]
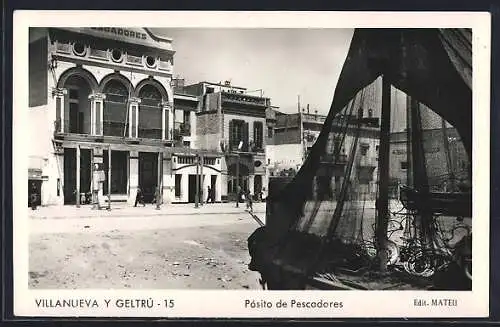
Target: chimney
[308, 108]
[316, 114]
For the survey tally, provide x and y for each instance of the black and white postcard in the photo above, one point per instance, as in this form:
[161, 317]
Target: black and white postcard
[251, 164]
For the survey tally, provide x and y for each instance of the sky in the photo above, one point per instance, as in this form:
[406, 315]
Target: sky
[284, 63]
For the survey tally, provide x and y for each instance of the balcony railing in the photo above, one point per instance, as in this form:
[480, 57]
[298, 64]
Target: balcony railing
[243, 99]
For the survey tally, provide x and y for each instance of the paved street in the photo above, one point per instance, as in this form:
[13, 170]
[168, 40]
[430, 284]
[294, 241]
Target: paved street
[175, 247]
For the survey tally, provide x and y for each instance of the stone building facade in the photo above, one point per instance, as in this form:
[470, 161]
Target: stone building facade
[103, 96]
[229, 115]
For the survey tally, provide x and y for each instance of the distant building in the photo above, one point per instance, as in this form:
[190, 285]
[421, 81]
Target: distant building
[295, 134]
[440, 163]
[232, 121]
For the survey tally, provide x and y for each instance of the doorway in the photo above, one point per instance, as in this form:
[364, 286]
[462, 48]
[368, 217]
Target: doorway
[192, 188]
[119, 172]
[69, 176]
[148, 174]
[213, 182]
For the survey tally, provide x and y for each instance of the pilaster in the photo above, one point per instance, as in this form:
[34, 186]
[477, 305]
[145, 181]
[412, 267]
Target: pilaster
[60, 95]
[133, 118]
[96, 113]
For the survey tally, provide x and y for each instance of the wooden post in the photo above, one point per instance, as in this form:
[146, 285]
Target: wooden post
[197, 186]
[383, 199]
[158, 182]
[420, 179]
[237, 180]
[409, 169]
[78, 176]
[109, 177]
[201, 179]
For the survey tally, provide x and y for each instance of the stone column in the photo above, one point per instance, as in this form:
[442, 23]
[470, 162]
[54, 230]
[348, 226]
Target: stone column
[96, 116]
[133, 117]
[133, 176]
[60, 95]
[168, 181]
[184, 188]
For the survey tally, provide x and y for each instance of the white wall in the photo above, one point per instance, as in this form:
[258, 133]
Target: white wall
[284, 155]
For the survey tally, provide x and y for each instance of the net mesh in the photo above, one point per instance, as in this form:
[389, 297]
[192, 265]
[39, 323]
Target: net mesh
[326, 219]
[335, 227]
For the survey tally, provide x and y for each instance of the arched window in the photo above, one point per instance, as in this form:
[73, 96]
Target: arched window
[77, 107]
[150, 112]
[115, 119]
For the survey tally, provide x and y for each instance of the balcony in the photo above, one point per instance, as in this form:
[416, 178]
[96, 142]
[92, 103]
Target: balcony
[244, 99]
[180, 130]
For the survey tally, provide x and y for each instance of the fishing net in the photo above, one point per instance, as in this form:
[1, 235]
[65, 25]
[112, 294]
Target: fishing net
[326, 218]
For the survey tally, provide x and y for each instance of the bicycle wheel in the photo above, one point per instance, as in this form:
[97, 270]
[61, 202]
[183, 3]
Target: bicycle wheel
[420, 264]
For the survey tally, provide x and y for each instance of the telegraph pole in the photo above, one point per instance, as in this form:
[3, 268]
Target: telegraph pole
[109, 177]
[197, 186]
[237, 180]
[201, 179]
[78, 176]
[159, 180]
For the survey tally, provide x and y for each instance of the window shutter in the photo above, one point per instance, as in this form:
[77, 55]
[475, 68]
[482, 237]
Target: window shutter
[245, 136]
[231, 134]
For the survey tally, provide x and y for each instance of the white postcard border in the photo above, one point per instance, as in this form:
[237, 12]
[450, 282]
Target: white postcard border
[193, 303]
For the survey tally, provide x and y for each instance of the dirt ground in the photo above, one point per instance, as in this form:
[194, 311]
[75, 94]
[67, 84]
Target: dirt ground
[203, 257]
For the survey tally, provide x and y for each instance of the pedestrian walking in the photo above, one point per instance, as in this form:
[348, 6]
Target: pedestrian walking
[263, 194]
[96, 181]
[33, 197]
[139, 198]
[209, 194]
[249, 200]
